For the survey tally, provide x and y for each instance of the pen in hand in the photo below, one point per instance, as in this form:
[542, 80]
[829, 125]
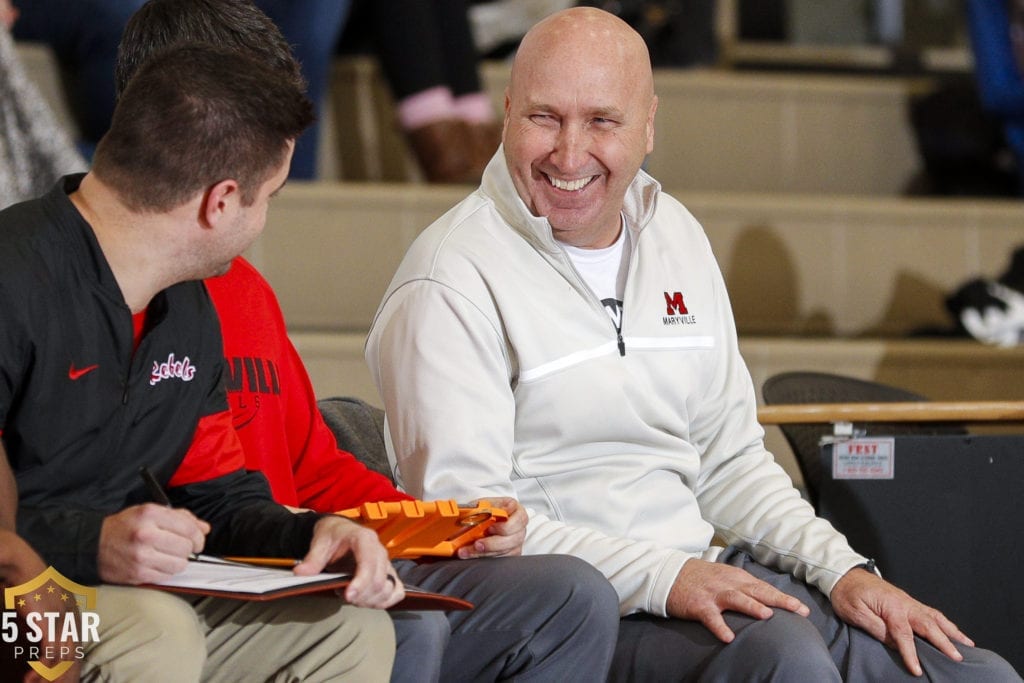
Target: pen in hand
[157, 493]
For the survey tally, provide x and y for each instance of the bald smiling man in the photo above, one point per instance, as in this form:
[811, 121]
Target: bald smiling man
[563, 336]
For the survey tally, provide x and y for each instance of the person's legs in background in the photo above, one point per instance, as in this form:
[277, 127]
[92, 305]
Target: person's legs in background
[84, 36]
[428, 57]
[312, 27]
[461, 65]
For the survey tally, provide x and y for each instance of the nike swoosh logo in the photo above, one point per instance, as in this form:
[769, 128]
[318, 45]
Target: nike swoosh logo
[74, 374]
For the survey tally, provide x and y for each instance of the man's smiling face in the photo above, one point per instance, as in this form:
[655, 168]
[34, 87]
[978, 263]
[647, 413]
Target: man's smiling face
[579, 120]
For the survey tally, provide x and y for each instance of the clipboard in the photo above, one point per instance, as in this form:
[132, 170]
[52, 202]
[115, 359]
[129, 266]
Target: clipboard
[219, 578]
[415, 528]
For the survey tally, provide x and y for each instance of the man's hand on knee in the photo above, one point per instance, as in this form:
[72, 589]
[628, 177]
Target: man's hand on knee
[704, 590]
[863, 599]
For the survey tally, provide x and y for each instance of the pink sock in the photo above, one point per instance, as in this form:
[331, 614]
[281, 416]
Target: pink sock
[474, 108]
[427, 106]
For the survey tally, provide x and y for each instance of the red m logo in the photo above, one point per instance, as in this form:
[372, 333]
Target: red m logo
[674, 304]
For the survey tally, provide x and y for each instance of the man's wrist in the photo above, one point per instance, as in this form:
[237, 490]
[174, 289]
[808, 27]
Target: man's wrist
[868, 566]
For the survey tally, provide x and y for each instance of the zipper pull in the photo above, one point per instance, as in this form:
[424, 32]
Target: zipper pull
[622, 344]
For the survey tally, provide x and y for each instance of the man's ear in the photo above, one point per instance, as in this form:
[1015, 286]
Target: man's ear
[220, 199]
[507, 113]
[650, 124]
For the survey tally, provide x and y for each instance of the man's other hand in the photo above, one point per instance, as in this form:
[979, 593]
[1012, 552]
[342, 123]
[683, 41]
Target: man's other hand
[374, 582]
[704, 590]
[863, 599]
[503, 538]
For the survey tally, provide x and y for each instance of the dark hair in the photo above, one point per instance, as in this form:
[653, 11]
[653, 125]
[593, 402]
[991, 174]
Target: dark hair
[235, 24]
[194, 115]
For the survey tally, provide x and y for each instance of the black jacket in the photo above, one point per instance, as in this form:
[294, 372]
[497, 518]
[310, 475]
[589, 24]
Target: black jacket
[81, 413]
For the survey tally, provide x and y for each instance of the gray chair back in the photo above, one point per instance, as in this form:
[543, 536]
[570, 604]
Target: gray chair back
[359, 429]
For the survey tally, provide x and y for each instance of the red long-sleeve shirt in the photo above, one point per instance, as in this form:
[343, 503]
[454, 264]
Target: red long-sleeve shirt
[274, 408]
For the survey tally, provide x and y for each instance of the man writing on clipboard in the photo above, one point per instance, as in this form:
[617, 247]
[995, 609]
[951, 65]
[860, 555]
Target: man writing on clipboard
[110, 359]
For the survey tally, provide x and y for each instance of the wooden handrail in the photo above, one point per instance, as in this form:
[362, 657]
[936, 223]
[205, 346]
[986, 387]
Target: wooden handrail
[921, 411]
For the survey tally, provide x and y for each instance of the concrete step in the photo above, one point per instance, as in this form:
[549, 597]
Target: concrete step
[795, 264]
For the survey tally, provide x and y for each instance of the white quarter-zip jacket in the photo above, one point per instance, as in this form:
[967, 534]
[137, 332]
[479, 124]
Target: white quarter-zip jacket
[503, 375]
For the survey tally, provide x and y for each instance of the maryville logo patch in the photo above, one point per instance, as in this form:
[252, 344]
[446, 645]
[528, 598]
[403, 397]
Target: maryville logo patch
[171, 368]
[49, 618]
[676, 312]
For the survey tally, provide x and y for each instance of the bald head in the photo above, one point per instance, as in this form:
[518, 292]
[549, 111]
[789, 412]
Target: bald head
[579, 120]
[585, 37]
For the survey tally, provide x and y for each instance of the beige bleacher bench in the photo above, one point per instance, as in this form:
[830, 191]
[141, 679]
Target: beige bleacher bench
[795, 265]
[716, 129]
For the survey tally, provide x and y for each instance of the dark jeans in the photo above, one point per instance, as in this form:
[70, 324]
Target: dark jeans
[84, 35]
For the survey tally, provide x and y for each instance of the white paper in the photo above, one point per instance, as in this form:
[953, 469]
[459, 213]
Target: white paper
[214, 573]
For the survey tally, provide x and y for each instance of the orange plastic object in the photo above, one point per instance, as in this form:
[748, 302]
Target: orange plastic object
[417, 528]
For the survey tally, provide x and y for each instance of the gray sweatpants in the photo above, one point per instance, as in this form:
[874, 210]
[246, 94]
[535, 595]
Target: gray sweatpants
[786, 647]
[537, 618]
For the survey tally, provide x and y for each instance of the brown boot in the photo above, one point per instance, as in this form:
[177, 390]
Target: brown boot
[445, 151]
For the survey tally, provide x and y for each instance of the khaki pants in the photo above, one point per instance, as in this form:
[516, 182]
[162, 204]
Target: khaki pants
[153, 636]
